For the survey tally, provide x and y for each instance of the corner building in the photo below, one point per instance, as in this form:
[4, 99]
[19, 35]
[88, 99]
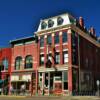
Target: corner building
[68, 56]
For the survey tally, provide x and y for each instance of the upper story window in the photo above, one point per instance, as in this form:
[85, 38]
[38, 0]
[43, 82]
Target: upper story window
[56, 38]
[49, 60]
[41, 41]
[18, 62]
[57, 58]
[65, 57]
[42, 59]
[43, 25]
[28, 62]
[64, 37]
[50, 23]
[60, 21]
[49, 56]
[5, 64]
[49, 39]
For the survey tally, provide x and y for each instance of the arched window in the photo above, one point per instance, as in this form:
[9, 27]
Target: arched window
[28, 62]
[60, 21]
[50, 23]
[5, 63]
[18, 62]
[43, 25]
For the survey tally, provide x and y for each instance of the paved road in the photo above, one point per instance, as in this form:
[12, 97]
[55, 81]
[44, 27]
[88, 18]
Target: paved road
[47, 98]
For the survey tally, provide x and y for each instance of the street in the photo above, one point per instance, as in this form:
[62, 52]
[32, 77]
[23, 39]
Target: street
[48, 98]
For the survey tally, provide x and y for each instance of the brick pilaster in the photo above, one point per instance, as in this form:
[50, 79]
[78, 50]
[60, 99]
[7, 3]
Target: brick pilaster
[70, 86]
[61, 48]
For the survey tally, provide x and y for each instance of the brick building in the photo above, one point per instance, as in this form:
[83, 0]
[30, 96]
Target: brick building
[69, 55]
[24, 63]
[65, 58]
[5, 62]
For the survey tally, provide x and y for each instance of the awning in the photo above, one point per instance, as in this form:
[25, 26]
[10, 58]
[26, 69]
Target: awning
[19, 81]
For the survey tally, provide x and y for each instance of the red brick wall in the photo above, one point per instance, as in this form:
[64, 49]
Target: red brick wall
[5, 53]
[23, 51]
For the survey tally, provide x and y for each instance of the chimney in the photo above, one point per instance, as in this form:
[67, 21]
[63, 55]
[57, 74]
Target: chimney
[92, 30]
[81, 22]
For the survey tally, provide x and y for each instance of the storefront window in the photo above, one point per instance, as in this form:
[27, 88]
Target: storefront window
[65, 80]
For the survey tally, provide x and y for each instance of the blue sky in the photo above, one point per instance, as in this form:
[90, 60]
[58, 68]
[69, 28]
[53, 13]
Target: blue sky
[20, 18]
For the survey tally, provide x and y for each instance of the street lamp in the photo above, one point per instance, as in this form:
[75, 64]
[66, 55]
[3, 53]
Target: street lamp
[98, 83]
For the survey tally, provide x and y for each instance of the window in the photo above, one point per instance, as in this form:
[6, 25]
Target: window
[42, 59]
[65, 80]
[18, 62]
[59, 21]
[46, 79]
[64, 37]
[49, 61]
[43, 25]
[28, 62]
[56, 38]
[5, 64]
[42, 41]
[50, 23]
[49, 39]
[65, 57]
[49, 56]
[57, 58]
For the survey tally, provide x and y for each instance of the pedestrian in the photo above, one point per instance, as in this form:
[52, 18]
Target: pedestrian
[0, 91]
[23, 87]
[11, 90]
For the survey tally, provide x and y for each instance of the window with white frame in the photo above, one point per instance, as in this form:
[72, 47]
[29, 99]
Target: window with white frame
[18, 62]
[49, 39]
[41, 41]
[41, 59]
[5, 63]
[56, 38]
[57, 58]
[65, 57]
[49, 56]
[64, 37]
[28, 62]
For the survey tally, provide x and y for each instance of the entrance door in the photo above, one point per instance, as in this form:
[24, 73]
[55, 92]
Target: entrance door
[57, 83]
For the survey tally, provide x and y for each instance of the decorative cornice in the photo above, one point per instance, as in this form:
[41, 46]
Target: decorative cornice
[53, 30]
[85, 35]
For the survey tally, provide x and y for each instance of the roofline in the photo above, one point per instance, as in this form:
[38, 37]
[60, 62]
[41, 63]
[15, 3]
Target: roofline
[57, 16]
[11, 41]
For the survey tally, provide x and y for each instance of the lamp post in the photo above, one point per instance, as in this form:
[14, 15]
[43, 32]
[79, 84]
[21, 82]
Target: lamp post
[98, 83]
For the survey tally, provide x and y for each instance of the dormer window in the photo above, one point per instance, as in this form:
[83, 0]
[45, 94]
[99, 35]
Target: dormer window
[43, 25]
[50, 23]
[60, 21]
